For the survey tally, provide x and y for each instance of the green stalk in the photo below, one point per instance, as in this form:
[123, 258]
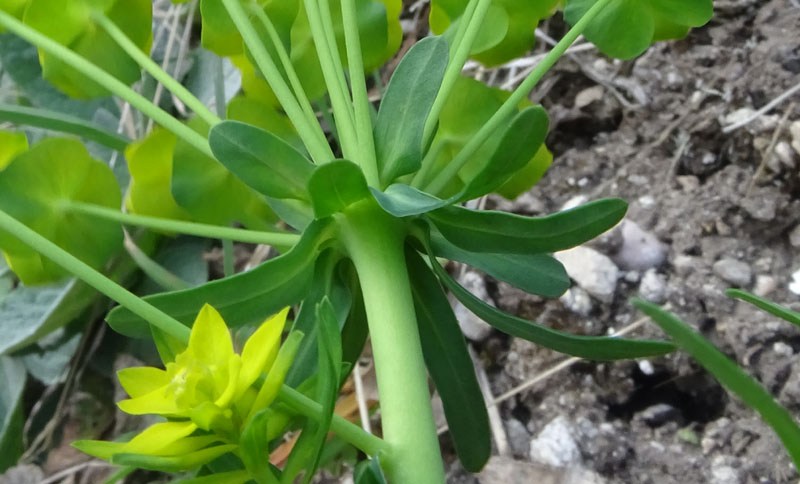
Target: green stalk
[94, 278]
[106, 80]
[471, 22]
[374, 241]
[331, 70]
[348, 431]
[310, 133]
[189, 228]
[333, 47]
[154, 69]
[358, 86]
[288, 67]
[510, 106]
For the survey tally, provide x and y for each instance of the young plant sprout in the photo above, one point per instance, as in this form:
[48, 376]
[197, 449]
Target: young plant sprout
[362, 213]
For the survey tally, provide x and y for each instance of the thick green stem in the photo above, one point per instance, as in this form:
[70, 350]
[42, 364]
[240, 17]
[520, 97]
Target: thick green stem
[94, 278]
[471, 22]
[154, 69]
[511, 105]
[190, 228]
[374, 241]
[331, 71]
[319, 150]
[348, 431]
[106, 80]
[358, 86]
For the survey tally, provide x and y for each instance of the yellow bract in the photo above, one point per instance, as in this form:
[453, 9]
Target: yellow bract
[207, 394]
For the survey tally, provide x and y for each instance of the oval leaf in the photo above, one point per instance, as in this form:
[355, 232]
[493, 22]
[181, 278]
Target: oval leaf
[335, 186]
[450, 366]
[490, 231]
[262, 160]
[406, 105]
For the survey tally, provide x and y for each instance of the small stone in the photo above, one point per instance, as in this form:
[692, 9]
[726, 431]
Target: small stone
[684, 264]
[765, 285]
[575, 201]
[588, 96]
[518, 437]
[782, 349]
[794, 129]
[794, 286]
[688, 182]
[633, 277]
[22, 474]
[473, 327]
[640, 249]
[794, 237]
[592, 271]
[659, 414]
[760, 208]
[555, 445]
[577, 300]
[653, 288]
[723, 473]
[733, 271]
[646, 367]
[784, 153]
[638, 180]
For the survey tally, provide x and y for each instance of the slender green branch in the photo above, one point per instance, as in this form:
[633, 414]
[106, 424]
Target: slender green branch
[106, 80]
[342, 109]
[333, 47]
[348, 431]
[510, 106]
[56, 121]
[190, 228]
[468, 30]
[154, 69]
[320, 151]
[288, 67]
[358, 86]
[94, 278]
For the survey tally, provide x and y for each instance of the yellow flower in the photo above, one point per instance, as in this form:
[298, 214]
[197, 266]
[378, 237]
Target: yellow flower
[208, 394]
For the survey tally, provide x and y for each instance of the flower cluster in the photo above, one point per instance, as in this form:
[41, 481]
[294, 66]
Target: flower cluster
[207, 395]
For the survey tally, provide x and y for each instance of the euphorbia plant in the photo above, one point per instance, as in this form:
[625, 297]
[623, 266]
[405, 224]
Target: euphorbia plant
[372, 205]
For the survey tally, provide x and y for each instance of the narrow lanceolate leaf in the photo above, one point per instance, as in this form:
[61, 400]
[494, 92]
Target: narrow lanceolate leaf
[450, 366]
[254, 448]
[406, 105]
[534, 273]
[521, 141]
[729, 374]
[336, 185]
[246, 298]
[404, 201]
[489, 231]
[65, 123]
[262, 160]
[369, 472]
[179, 463]
[589, 347]
[768, 306]
[12, 378]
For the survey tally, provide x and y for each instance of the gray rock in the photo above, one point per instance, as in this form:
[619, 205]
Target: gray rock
[504, 470]
[723, 473]
[592, 271]
[765, 285]
[763, 208]
[518, 437]
[473, 327]
[555, 445]
[659, 414]
[641, 250]
[22, 474]
[653, 287]
[733, 271]
[577, 300]
[794, 237]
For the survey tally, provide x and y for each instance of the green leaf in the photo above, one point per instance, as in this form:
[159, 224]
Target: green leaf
[521, 141]
[403, 201]
[11, 144]
[12, 380]
[218, 33]
[33, 188]
[768, 306]
[209, 192]
[729, 374]
[589, 347]
[335, 186]
[626, 28]
[533, 273]
[450, 366]
[65, 123]
[369, 472]
[254, 448]
[405, 107]
[72, 27]
[500, 232]
[179, 463]
[28, 314]
[262, 160]
[246, 298]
